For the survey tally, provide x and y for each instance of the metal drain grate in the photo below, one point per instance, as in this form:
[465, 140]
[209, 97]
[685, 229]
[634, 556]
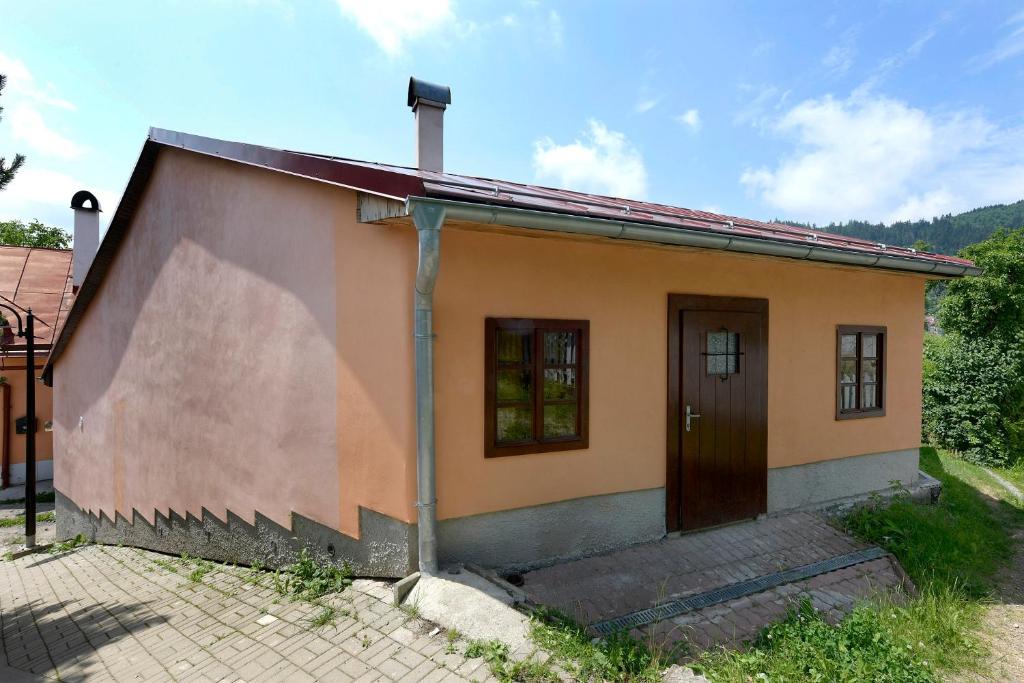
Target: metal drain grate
[737, 590]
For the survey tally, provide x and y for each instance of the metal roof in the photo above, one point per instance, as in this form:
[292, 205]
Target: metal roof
[39, 279]
[402, 183]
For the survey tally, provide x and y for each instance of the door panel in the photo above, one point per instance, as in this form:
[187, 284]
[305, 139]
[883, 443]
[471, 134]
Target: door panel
[722, 468]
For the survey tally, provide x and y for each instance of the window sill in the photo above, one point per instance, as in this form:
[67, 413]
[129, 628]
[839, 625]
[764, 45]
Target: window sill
[535, 447]
[858, 414]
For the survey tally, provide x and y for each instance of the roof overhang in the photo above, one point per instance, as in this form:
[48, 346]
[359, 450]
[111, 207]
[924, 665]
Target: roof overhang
[486, 214]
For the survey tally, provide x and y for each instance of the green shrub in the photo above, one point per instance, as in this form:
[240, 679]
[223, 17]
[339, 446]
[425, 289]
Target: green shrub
[973, 400]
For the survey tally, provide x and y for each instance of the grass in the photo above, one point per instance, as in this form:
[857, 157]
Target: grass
[327, 615]
[616, 658]
[20, 519]
[951, 551]
[496, 654]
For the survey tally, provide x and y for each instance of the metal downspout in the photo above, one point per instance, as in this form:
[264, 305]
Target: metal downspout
[428, 220]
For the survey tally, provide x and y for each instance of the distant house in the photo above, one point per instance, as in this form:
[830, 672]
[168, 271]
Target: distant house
[40, 279]
[397, 366]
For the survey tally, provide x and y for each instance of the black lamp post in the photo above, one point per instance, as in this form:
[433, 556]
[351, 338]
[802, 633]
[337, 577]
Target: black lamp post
[27, 330]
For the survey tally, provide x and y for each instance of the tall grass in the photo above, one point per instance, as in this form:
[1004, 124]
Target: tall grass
[951, 551]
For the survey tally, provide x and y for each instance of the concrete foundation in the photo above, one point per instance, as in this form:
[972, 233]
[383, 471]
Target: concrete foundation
[819, 483]
[387, 547]
[531, 537]
[44, 471]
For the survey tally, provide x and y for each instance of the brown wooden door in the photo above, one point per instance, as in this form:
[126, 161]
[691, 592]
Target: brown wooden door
[721, 392]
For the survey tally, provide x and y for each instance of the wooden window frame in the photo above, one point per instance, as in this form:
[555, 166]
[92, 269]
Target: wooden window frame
[492, 449]
[881, 384]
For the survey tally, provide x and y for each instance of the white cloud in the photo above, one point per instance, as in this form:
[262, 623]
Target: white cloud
[644, 106]
[877, 158]
[28, 126]
[390, 23]
[555, 30]
[766, 99]
[839, 58]
[21, 85]
[690, 118]
[1008, 47]
[602, 161]
[46, 194]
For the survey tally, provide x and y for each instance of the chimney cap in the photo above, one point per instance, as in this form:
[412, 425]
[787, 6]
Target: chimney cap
[422, 90]
[79, 199]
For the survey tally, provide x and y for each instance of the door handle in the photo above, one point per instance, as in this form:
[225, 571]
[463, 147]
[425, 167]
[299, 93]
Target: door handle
[689, 416]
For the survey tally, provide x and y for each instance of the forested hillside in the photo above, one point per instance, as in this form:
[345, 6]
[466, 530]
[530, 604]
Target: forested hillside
[945, 235]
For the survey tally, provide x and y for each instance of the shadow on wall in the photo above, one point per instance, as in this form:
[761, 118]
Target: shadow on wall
[220, 306]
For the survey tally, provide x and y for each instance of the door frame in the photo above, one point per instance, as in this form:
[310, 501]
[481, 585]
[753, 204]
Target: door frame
[678, 303]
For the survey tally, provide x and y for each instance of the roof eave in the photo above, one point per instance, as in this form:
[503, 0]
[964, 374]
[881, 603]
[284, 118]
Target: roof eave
[492, 214]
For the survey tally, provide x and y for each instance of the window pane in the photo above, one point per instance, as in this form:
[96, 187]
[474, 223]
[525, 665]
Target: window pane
[718, 342]
[559, 348]
[869, 370]
[849, 397]
[514, 385]
[559, 420]
[723, 353]
[848, 345]
[514, 346]
[870, 345]
[868, 395]
[560, 383]
[848, 370]
[515, 423]
[717, 365]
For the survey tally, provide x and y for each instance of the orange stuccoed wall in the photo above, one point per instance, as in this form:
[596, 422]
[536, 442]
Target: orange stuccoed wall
[623, 290]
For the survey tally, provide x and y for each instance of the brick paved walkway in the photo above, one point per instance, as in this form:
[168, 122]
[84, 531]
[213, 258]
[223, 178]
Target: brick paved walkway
[121, 614]
[599, 588]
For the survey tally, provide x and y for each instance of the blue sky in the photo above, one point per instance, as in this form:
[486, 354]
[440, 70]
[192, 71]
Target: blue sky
[815, 111]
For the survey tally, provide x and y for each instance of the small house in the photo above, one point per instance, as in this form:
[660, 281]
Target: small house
[398, 367]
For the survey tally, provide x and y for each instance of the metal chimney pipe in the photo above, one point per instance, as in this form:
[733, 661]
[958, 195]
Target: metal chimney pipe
[428, 102]
[87, 234]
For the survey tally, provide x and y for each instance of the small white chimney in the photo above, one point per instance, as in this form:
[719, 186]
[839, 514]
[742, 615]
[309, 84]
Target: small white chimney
[87, 234]
[428, 102]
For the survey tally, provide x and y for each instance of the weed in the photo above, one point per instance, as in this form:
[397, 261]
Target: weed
[325, 617]
[412, 610]
[495, 653]
[309, 580]
[202, 568]
[616, 658]
[70, 544]
[452, 636]
[365, 641]
[8, 556]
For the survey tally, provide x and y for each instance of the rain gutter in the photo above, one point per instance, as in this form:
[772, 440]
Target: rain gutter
[487, 214]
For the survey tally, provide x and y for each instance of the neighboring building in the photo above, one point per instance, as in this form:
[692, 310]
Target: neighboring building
[259, 360]
[39, 279]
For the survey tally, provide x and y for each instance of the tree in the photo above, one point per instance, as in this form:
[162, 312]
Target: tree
[7, 170]
[974, 377]
[34, 234]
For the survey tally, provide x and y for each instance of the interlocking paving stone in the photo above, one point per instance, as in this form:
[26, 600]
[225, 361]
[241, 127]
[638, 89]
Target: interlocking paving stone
[121, 614]
[602, 588]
